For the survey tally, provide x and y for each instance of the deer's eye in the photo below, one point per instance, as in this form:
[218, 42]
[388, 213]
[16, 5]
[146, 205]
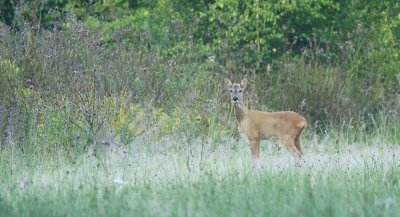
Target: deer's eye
[240, 91]
[231, 91]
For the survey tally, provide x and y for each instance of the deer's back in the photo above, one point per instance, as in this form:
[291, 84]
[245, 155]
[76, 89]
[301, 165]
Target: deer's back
[264, 125]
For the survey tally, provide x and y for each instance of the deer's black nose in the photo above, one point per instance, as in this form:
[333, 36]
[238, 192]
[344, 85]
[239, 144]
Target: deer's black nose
[235, 98]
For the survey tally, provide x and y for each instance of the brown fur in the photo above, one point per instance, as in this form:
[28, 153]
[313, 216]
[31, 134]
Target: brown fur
[258, 125]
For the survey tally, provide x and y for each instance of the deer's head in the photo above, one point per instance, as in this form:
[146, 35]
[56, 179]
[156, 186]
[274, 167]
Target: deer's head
[236, 90]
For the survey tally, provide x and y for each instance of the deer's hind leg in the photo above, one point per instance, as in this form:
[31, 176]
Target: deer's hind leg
[290, 144]
[297, 142]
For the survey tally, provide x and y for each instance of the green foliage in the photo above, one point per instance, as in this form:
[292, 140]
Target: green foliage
[119, 70]
[38, 12]
[243, 34]
[254, 32]
[9, 82]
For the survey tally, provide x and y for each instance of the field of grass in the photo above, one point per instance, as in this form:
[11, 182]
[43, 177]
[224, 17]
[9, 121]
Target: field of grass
[206, 177]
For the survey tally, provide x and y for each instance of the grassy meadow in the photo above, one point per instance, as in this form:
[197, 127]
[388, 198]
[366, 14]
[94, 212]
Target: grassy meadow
[175, 177]
[93, 128]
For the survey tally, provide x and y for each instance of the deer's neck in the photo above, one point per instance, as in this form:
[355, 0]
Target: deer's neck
[240, 112]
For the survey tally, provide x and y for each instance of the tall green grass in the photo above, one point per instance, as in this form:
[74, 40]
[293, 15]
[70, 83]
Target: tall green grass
[172, 177]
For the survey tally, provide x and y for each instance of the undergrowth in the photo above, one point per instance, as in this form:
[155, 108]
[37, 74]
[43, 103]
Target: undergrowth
[66, 87]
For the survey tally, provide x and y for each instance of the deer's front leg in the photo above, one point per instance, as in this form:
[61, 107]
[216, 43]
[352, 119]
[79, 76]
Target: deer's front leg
[255, 148]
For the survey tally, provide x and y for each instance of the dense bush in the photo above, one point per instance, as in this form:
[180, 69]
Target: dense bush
[117, 70]
[252, 33]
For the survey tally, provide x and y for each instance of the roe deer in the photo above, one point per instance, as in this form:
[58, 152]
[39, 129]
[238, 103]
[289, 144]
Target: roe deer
[258, 125]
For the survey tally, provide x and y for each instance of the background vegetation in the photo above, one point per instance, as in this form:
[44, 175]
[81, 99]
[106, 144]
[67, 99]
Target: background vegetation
[96, 65]
[86, 78]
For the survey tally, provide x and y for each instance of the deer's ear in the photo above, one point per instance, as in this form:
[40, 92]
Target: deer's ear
[244, 82]
[228, 82]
